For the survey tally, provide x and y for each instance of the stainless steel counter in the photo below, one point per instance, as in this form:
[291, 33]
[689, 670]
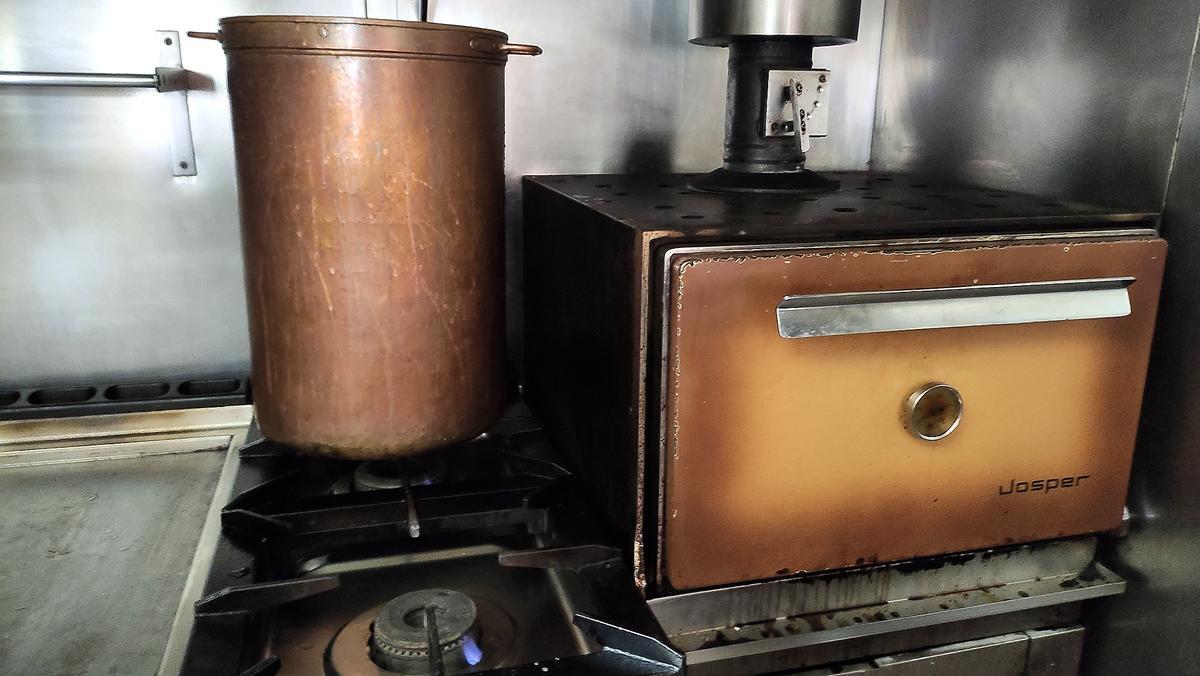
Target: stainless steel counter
[95, 557]
[99, 530]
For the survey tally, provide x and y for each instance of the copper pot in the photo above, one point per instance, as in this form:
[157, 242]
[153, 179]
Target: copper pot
[370, 162]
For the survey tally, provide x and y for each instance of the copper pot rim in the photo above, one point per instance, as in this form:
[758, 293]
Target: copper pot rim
[361, 21]
[367, 37]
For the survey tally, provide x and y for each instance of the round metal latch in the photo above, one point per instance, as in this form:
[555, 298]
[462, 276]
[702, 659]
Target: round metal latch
[933, 411]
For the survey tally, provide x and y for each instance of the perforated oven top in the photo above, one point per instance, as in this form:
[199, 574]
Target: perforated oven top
[866, 203]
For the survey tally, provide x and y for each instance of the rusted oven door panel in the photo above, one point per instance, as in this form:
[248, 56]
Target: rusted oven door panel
[835, 406]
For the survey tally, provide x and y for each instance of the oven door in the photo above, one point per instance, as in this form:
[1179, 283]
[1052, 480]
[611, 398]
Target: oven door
[846, 404]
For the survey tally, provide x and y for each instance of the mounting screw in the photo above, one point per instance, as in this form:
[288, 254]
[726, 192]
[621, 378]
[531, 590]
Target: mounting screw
[183, 165]
[166, 41]
[822, 78]
[799, 88]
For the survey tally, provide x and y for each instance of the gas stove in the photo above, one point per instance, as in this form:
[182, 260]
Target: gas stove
[476, 559]
[486, 558]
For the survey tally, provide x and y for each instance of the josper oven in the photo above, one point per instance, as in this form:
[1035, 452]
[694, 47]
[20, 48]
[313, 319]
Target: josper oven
[760, 387]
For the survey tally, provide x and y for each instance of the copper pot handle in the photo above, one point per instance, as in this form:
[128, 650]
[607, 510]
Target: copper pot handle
[204, 35]
[520, 50]
[493, 47]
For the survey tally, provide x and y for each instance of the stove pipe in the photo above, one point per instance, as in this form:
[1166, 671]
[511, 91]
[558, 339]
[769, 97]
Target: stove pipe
[765, 36]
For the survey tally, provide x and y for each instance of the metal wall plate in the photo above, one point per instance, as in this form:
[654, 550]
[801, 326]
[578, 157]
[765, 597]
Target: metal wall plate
[811, 89]
[169, 78]
[173, 83]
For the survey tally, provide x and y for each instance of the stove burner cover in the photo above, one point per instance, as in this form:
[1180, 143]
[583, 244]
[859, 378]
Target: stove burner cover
[379, 475]
[400, 636]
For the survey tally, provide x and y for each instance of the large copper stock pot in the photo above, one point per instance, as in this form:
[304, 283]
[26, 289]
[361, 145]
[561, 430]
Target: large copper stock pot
[370, 160]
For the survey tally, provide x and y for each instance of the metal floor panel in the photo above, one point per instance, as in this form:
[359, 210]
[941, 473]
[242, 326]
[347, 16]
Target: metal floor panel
[93, 559]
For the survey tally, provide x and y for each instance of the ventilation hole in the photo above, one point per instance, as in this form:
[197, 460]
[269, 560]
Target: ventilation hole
[864, 188]
[883, 179]
[915, 207]
[985, 205]
[895, 614]
[603, 185]
[209, 387]
[943, 606]
[1046, 204]
[936, 196]
[621, 194]
[809, 199]
[61, 395]
[664, 206]
[687, 192]
[845, 210]
[692, 217]
[918, 185]
[666, 185]
[137, 391]
[857, 619]
[8, 398]
[998, 195]
[772, 213]
[871, 197]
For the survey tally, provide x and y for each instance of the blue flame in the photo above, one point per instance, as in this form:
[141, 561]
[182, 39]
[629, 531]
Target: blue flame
[472, 651]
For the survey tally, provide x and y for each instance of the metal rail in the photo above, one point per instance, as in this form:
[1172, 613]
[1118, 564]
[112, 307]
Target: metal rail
[169, 78]
[110, 80]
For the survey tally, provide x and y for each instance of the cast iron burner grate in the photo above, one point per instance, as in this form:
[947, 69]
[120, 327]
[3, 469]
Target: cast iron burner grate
[499, 520]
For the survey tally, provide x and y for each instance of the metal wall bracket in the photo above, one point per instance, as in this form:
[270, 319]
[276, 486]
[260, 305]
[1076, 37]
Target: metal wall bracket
[169, 78]
[172, 82]
[793, 95]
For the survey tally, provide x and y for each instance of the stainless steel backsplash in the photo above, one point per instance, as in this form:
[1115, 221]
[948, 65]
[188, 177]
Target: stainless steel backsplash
[114, 270]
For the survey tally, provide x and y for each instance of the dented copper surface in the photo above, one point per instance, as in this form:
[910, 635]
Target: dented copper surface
[370, 176]
[785, 456]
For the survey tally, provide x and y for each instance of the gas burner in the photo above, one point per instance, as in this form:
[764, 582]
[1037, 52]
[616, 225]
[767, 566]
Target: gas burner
[468, 635]
[413, 627]
[378, 475]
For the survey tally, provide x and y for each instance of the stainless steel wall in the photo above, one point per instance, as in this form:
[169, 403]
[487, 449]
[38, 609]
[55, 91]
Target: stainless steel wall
[1149, 630]
[1072, 98]
[620, 89]
[113, 269]
[1083, 100]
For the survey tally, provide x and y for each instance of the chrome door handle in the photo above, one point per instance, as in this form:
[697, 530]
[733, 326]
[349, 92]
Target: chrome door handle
[840, 314]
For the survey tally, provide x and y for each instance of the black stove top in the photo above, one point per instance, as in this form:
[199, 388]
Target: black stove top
[865, 204]
[476, 559]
